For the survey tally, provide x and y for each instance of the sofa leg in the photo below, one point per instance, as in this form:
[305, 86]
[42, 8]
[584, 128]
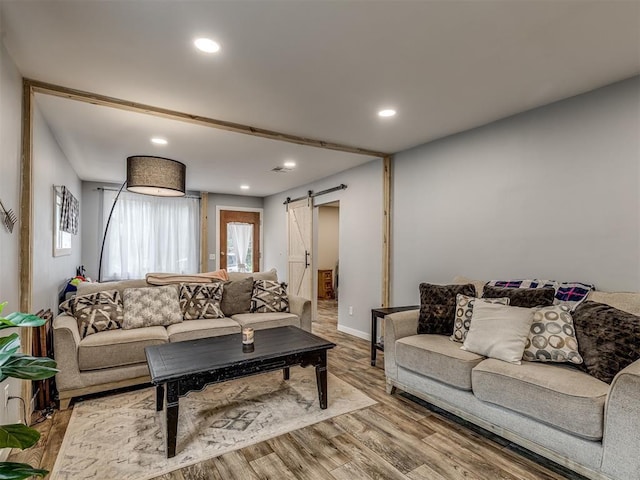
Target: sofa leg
[64, 403]
[391, 389]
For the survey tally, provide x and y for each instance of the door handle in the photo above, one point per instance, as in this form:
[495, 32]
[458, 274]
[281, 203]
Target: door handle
[306, 259]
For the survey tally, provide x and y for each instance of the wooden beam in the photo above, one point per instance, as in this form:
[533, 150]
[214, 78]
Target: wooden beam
[386, 230]
[26, 231]
[204, 232]
[103, 100]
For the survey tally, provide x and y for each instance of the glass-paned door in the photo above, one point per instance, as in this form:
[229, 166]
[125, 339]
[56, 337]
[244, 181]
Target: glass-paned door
[240, 241]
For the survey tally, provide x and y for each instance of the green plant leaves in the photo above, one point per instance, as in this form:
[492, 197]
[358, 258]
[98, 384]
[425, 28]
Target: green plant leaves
[18, 435]
[27, 367]
[19, 471]
[8, 346]
[17, 319]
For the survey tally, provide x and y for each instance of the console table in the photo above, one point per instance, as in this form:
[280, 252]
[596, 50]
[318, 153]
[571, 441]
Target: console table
[379, 313]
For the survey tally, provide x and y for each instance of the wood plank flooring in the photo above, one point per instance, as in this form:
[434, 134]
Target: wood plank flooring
[396, 439]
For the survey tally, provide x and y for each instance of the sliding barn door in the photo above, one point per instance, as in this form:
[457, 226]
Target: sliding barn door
[300, 223]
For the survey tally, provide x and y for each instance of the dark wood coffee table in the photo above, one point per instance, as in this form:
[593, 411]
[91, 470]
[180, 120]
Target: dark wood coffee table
[182, 367]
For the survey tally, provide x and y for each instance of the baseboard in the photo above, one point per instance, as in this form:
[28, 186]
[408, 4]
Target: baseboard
[354, 332]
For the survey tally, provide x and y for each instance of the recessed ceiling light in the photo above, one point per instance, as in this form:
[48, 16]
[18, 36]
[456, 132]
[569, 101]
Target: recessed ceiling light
[387, 112]
[244, 187]
[206, 45]
[289, 164]
[159, 141]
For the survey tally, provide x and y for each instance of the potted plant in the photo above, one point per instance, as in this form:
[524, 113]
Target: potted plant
[17, 365]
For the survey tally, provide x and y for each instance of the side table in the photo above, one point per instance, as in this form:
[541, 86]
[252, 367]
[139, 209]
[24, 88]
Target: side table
[379, 313]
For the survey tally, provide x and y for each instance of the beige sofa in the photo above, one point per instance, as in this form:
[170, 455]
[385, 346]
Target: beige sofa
[115, 358]
[558, 412]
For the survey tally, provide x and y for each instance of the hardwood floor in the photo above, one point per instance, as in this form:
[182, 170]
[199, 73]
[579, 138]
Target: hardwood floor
[395, 439]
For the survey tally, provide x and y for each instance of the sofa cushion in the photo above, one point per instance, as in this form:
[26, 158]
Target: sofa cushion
[208, 327]
[498, 331]
[464, 311]
[85, 288]
[435, 356]
[552, 337]
[260, 321]
[268, 275]
[608, 339]
[625, 301]
[560, 396]
[116, 348]
[438, 307]
[269, 296]
[522, 297]
[198, 300]
[151, 306]
[236, 296]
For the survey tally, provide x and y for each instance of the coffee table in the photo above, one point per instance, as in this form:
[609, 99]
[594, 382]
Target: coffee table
[182, 367]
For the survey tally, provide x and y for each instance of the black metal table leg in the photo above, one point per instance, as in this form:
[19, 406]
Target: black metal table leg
[172, 417]
[159, 397]
[321, 379]
[285, 373]
[374, 334]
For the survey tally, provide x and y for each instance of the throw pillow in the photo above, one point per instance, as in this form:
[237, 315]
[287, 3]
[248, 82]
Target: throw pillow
[608, 339]
[151, 306]
[552, 337]
[522, 297]
[498, 331]
[438, 306]
[570, 294]
[269, 296]
[236, 296]
[199, 300]
[95, 312]
[464, 310]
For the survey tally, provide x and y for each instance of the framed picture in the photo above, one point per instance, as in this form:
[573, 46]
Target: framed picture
[61, 239]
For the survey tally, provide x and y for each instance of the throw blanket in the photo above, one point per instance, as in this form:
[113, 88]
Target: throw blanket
[173, 278]
[570, 294]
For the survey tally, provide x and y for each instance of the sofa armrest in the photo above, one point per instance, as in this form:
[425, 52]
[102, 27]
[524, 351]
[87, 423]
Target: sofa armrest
[66, 340]
[397, 326]
[621, 425]
[302, 308]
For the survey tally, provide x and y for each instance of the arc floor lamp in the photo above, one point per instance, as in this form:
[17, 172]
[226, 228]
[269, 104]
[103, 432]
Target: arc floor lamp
[149, 175]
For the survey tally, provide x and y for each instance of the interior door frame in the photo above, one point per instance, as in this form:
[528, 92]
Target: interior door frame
[240, 209]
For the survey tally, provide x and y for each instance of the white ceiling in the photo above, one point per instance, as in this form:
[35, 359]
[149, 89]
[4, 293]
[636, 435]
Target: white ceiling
[313, 68]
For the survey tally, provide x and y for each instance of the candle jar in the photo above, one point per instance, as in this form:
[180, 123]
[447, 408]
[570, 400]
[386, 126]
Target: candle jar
[247, 336]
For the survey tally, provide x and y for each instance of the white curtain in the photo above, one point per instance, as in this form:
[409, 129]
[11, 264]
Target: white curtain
[241, 234]
[150, 234]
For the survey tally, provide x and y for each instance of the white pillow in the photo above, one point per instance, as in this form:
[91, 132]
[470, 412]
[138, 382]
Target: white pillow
[498, 331]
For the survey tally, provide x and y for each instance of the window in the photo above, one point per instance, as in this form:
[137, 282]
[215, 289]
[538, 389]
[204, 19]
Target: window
[150, 234]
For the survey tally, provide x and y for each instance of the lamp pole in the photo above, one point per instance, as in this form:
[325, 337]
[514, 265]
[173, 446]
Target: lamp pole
[106, 229]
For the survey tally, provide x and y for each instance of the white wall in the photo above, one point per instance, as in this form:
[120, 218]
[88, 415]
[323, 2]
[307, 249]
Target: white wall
[328, 237]
[550, 193]
[50, 167]
[10, 153]
[360, 240]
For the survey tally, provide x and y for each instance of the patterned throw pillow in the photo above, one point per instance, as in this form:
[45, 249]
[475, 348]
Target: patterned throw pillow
[608, 339]
[464, 310]
[438, 306]
[522, 297]
[570, 294]
[151, 306]
[198, 300]
[269, 296]
[95, 312]
[552, 337]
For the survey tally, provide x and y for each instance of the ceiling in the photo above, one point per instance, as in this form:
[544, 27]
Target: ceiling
[319, 69]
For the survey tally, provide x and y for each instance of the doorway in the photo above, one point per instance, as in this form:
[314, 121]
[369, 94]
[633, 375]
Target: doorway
[327, 264]
[239, 240]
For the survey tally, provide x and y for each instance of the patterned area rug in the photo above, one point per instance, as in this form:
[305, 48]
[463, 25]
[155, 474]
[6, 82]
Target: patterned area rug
[122, 436]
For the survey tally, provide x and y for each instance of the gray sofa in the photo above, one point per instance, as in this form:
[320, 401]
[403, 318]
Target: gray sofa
[115, 358]
[558, 412]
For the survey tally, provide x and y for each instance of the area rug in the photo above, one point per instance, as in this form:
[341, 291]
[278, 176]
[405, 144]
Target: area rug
[122, 436]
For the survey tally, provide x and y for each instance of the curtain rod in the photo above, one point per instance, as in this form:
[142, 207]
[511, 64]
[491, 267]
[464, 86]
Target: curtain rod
[310, 194]
[110, 189]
